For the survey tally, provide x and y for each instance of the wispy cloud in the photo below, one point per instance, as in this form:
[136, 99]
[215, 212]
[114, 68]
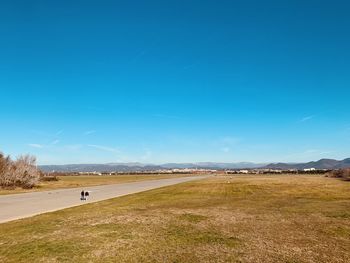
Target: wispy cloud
[104, 148]
[55, 142]
[225, 149]
[89, 132]
[59, 132]
[35, 145]
[307, 118]
[47, 134]
[229, 140]
[226, 143]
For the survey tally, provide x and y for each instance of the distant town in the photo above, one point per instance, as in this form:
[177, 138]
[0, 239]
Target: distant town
[315, 167]
[206, 171]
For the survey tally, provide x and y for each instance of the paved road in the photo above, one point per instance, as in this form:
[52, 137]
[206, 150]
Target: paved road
[18, 206]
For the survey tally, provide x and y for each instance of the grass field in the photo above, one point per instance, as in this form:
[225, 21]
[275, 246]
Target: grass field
[91, 180]
[219, 219]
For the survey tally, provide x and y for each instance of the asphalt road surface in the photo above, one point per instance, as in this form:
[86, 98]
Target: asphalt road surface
[18, 206]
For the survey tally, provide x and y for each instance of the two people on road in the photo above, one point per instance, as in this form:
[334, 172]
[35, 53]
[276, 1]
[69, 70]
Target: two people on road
[84, 195]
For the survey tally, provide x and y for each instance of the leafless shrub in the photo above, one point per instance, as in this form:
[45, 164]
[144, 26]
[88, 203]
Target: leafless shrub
[342, 173]
[20, 173]
[5, 171]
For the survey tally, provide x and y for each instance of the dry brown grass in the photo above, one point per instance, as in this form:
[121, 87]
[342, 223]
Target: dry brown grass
[220, 219]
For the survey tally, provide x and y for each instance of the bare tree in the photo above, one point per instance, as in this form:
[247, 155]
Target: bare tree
[5, 171]
[341, 173]
[20, 173]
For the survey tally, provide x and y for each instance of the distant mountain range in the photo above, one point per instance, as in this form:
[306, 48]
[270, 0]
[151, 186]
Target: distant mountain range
[136, 167]
[320, 164]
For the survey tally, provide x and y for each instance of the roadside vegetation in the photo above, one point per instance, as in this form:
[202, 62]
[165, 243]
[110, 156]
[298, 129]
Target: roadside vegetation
[219, 219]
[21, 172]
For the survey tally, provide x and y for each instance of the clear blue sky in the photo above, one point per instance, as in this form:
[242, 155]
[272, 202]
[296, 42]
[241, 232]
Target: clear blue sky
[175, 81]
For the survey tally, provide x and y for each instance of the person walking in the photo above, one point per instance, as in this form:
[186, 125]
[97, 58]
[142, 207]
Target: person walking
[87, 195]
[82, 195]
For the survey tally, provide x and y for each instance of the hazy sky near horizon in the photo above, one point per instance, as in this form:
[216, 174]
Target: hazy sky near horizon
[175, 81]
